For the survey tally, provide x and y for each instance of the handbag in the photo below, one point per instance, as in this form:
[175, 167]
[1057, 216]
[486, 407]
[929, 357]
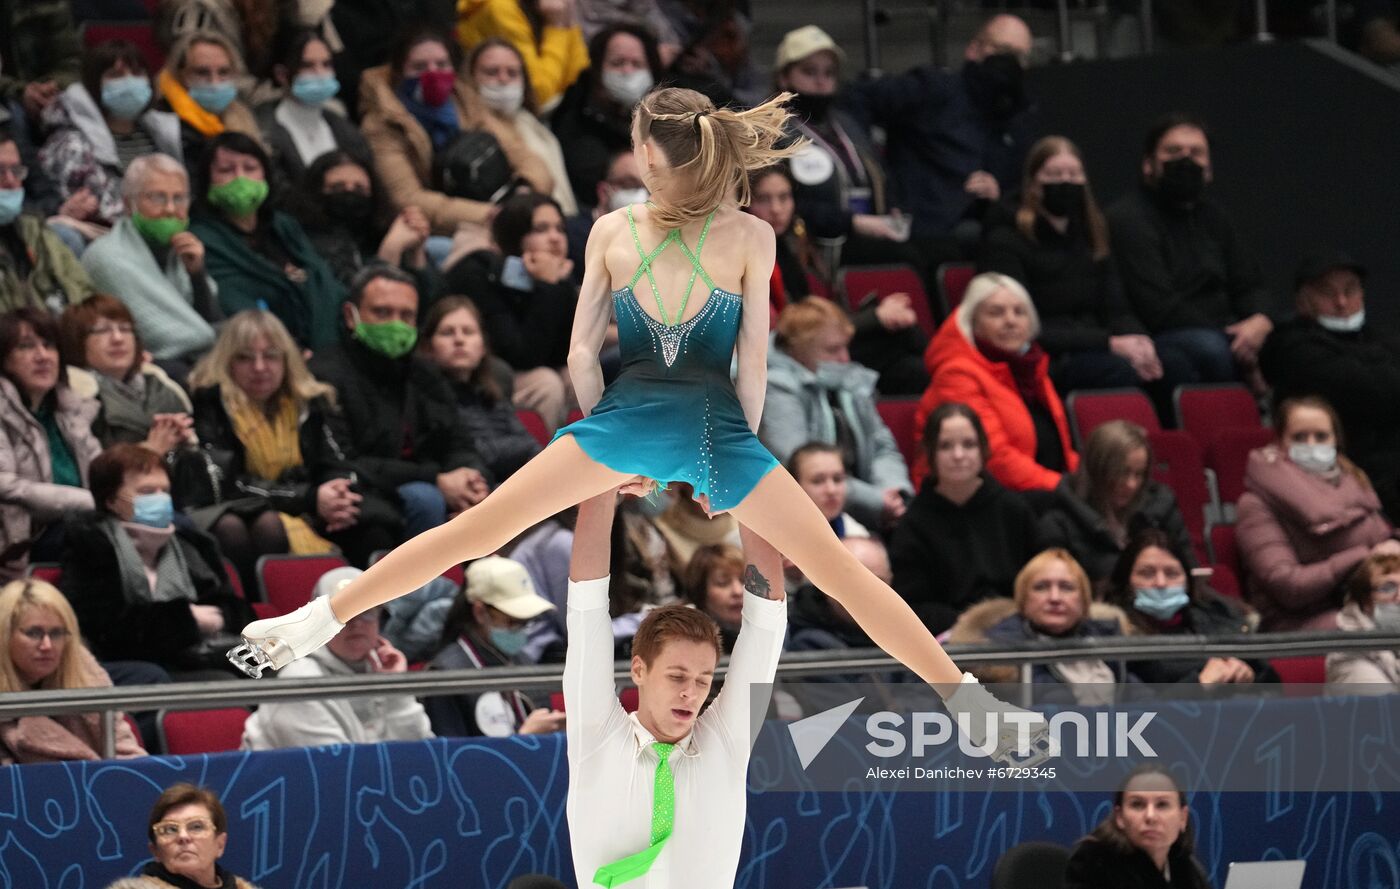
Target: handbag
[472, 166]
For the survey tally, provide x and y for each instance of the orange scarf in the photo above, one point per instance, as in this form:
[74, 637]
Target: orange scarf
[188, 109]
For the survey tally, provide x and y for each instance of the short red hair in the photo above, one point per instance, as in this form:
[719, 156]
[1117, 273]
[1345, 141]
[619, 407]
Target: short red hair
[662, 625]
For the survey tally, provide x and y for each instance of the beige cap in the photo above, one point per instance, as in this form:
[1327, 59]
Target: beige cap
[505, 585]
[798, 45]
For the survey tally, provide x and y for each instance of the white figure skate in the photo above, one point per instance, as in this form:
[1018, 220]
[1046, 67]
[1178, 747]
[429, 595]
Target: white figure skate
[974, 701]
[277, 641]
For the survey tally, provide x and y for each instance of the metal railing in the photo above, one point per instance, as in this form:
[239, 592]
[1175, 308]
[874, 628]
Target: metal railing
[207, 695]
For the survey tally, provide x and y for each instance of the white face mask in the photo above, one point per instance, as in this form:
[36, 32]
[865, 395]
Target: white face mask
[627, 88]
[626, 197]
[1387, 616]
[505, 98]
[1314, 458]
[1350, 324]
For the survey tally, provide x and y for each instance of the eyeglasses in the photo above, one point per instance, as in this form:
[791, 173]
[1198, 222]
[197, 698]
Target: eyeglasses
[109, 329]
[19, 171]
[160, 199]
[196, 829]
[37, 635]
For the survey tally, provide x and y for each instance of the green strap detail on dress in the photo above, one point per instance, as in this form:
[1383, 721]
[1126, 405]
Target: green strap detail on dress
[695, 261]
[647, 259]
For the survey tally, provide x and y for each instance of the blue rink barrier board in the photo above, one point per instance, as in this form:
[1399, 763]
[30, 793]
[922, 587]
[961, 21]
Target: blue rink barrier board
[476, 812]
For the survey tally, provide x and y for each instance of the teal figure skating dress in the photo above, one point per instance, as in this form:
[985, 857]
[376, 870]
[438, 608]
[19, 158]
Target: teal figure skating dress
[672, 414]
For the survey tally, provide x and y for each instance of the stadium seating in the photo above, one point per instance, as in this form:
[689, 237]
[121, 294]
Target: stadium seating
[185, 732]
[1090, 409]
[859, 283]
[1033, 865]
[953, 278]
[1179, 466]
[286, 582]
[49, 572]
[898, 414]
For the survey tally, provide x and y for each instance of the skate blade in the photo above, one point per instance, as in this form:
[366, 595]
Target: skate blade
[254, 658]
[1008, 752]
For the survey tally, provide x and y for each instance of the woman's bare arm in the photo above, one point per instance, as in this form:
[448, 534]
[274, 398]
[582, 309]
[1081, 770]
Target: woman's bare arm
[753, 328]
[592, 315]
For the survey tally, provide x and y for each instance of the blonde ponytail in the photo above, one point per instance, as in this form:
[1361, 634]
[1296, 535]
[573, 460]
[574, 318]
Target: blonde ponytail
[711, 150]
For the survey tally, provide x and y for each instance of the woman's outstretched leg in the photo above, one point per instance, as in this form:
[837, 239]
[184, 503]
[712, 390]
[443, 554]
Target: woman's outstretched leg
[559, 477]
[779, 511]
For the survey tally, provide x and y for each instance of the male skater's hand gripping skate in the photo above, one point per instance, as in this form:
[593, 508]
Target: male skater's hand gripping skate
[277, 641]
[972, 706]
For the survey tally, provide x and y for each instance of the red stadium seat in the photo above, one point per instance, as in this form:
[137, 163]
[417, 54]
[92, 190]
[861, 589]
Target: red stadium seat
[1204, 410]
[898, 414]
[1228, 455]
[534, 424]
[185, 732]
[628, 698]
[234, 580]
[48, 572]
[288, 581]
[1091, 408]
[817, 286]
[264, 609]
[1179, 466]
[953, 278]
[574, 416]
[1226, 553]
[862, 281]
[1296, 670]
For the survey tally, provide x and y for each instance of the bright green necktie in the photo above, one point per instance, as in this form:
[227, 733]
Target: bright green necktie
[663, 818]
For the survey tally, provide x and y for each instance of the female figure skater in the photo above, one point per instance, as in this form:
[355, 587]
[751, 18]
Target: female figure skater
[673, 414]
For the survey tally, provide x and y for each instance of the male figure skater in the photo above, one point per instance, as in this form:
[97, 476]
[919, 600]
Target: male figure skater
[657, 798]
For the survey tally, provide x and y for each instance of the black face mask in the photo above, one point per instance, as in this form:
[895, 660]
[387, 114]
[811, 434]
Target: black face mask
[1062, 198]
[349, 208]
[811, 107]
[1182, 181]
[997, 84]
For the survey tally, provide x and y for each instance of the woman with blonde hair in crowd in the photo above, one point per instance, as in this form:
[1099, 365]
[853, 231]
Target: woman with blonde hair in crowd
[44, 652]
[200, 84]
[287, 483]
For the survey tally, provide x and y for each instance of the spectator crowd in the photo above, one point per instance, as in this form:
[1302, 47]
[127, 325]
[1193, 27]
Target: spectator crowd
[303, 285]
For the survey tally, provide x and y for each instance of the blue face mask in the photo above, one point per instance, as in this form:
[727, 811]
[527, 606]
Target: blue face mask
[508, 642]
[315, 90]
[153, 510]
[214, 97]
[126, 97]
[11, 202]
[1161, 602]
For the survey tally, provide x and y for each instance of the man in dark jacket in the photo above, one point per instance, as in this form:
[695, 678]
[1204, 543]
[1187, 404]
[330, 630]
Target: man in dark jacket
[402, 415]
[40, 48]
[1329, 350]
[957, 140]
[1185, 269]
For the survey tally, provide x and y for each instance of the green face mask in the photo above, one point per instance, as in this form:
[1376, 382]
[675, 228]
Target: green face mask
[160, 229]
[392, 339]
[240, 197]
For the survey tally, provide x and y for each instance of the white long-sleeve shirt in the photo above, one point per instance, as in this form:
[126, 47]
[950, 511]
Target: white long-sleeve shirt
[612, 766]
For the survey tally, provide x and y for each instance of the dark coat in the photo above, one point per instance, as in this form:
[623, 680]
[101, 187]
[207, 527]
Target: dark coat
[1097, 865]
[287, 165]
[455, 716]
[326, 454]
[1208, 614]
[1071, 523]
[591, 129]
[1359, 375]
[823, 203]
[1015, 628]
[1079, 298]
[310, 309]
[525, 328]
[813, 624]
[937, 137]
[946, 557]
[1183, 267]
[500, 438]
[148, 631]
[401, 413]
